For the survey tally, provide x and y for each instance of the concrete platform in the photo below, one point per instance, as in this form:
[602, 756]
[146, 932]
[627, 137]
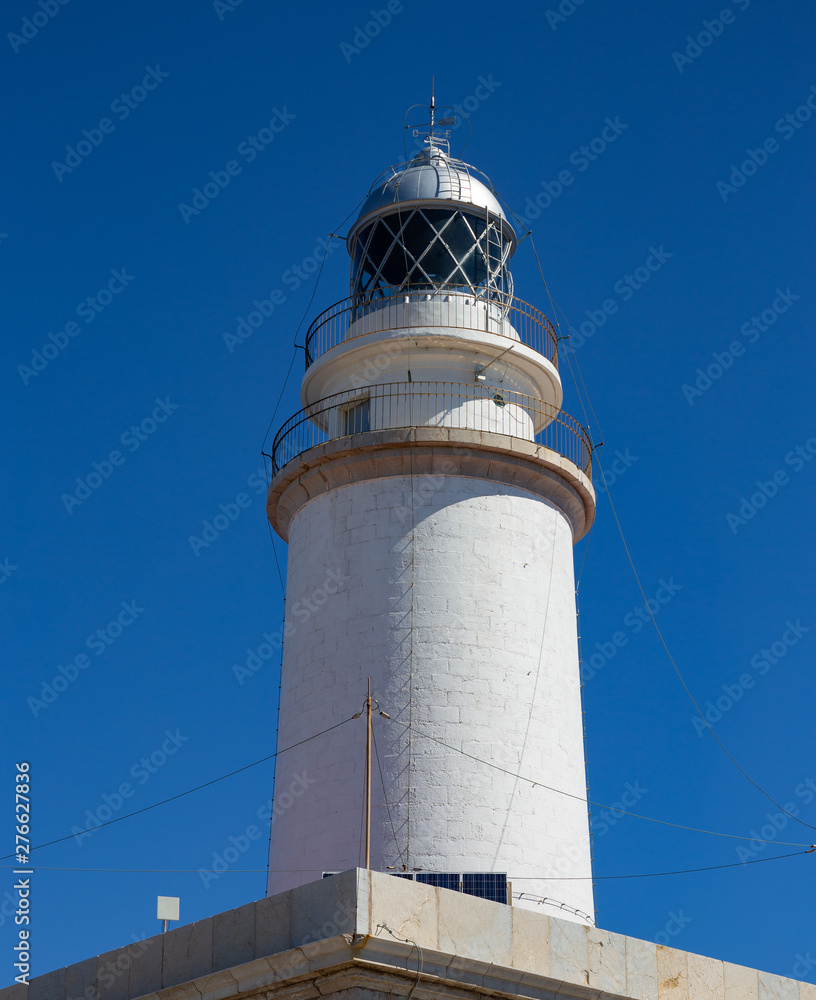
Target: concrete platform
[369, 936]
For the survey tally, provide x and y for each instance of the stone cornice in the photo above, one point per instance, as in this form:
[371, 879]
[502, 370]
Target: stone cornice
[432, 451]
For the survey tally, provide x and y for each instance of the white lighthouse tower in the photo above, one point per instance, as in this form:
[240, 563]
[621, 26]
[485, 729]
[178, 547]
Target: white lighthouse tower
[431, 490]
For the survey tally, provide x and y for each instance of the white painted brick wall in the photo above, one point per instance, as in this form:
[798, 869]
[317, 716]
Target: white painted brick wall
[489, 673]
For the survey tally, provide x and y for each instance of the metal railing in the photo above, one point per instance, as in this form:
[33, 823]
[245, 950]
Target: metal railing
[432, 404]
[454, 306]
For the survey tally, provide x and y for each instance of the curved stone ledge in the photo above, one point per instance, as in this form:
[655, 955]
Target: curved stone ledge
[432, 451]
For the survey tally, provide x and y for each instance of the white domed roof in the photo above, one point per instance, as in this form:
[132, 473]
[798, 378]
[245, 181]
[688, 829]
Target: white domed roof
[432, 176]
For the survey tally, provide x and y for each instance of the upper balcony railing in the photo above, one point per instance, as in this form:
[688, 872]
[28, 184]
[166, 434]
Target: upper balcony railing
[453, 306]
[470, 407]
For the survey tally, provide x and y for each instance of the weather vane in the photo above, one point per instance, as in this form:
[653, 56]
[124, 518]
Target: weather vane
[428, 130]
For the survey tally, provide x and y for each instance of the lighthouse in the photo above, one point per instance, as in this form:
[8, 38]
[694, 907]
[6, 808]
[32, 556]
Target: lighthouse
[431, 490]
[430, 766]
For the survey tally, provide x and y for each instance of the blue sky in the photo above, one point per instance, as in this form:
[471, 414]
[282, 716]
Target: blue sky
[116, 366]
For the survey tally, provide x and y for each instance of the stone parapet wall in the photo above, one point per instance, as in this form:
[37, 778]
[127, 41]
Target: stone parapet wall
[329, 938]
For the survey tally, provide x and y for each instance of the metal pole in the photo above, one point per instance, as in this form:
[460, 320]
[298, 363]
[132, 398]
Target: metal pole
[368, 780]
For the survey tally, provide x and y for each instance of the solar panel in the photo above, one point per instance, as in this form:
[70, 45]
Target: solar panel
[486, 885]
[440, 880]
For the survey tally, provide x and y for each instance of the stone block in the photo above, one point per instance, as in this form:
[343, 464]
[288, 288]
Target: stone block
[188, 952]
[218, 986]
[51, 986]
[324, 909]
[19, 991]
[531, 941]
[79, 978]
[607, 961]
[641, 969]
[740, 983]
[705, 978]
[393, 465]
[184, 991]
[493, 442]
[569, 952]
[396, 435]
[113, 974]
[433, 435]
[474, 928]
[233, 937]
[777, 987]
[262, 972]
[146, 965]
[411, 915]
[672, 974]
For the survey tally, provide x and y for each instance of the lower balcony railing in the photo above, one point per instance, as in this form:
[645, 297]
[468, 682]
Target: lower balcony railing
[454, 405]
